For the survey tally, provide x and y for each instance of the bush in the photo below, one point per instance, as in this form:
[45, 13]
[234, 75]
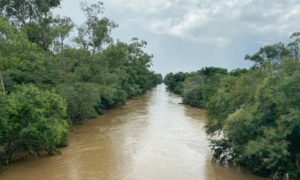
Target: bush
[33, 121]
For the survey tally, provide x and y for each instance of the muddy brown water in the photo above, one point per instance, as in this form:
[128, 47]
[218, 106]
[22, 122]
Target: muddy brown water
[152, 137]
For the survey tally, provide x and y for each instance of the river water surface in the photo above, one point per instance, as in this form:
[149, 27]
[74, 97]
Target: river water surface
[152, 137]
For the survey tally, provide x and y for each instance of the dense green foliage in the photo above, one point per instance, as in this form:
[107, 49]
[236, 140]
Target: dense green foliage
[47, 84]
[175, 81]
[195, 87]
[32, 120]
[253, 115]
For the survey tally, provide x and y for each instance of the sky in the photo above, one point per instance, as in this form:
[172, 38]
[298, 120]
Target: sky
[186, 35]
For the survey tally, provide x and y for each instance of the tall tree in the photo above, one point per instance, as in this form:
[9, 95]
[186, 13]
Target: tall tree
[95, 32]
[62, 28]
[270, 53]
[34, 18]
[26, 11]
[294, 45]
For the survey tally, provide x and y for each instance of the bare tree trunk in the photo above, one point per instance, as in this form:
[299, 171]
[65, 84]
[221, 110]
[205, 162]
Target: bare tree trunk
[297, 52]
[61, 44]
[2, 83]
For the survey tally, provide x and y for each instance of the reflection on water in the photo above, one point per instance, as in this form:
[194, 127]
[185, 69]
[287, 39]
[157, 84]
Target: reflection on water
[152, 137]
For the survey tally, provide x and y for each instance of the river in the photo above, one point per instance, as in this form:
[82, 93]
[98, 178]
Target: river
[152, 137]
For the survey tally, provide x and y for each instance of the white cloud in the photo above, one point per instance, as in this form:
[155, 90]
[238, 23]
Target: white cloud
[191, 20]
[222, 21]
[145, 6]
[216, 22]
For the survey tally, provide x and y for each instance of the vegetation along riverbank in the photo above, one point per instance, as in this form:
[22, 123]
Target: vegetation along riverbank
[256, 110]
[50, 80]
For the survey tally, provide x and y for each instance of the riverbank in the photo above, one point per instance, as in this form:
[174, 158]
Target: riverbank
[151, 137]
[257, 110]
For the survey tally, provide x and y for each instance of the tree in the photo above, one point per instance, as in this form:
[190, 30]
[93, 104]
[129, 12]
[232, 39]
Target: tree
[62, 28]
[33, 121]
[175, 82]
[294, 45]
[41, 32]
[33, 17]
[95, 32]
[82, 99]
[27, 11]
[20, 60]
[270, 53]
[193, 93]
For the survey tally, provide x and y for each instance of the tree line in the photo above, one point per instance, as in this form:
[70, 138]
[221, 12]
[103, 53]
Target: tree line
[253, 115]
[50, 80]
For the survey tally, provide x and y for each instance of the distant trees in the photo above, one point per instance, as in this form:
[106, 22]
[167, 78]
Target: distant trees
[195, 87]
[46, 84]
[253, 113]
[175, 82]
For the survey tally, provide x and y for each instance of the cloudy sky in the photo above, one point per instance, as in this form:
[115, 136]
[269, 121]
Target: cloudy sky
[186, 35]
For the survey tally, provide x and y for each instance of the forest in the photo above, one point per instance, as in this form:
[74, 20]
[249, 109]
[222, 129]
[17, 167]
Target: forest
[52, 78]
[253, 115]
